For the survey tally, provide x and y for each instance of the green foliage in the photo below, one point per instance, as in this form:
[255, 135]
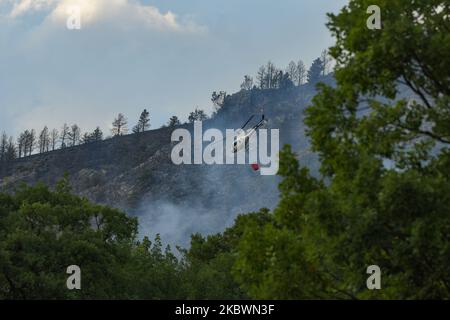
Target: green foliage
[322, 238]
[410, 51]
[208, 269]
[383, 198]
[43, 232]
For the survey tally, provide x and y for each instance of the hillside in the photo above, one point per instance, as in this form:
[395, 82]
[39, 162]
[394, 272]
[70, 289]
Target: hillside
[135, 172]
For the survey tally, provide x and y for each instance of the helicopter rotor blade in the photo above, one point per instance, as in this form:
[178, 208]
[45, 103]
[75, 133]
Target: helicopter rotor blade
[247, 121]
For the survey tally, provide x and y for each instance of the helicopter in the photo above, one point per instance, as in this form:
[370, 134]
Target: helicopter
[242, 138]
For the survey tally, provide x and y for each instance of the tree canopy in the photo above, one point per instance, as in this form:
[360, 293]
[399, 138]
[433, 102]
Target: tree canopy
[383, 195]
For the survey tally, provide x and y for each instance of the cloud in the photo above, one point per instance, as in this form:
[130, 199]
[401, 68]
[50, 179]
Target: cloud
[128, 12]
[116, 62]
[18, 8]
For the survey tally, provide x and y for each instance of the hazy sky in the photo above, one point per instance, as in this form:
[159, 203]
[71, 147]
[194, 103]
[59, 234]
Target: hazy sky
[163, 55]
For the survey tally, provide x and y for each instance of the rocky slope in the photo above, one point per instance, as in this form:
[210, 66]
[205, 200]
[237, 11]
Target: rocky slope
[135, 172]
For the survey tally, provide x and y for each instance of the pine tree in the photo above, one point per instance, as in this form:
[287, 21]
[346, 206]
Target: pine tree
[173, 121]
[247, 84]
[54, 135]
[315, 72]
[143, 122]
[119, 125]
[97, 135]
[11, 151]
[261, 77]
[64, 135]
[325, 58]
[3, 145]
[301, 73]
[30, 141]
[74, 135]
[292, 71]
[44, 140]
[197, 115]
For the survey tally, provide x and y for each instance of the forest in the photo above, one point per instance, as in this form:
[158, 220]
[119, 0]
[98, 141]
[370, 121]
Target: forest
[381, 198]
